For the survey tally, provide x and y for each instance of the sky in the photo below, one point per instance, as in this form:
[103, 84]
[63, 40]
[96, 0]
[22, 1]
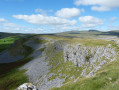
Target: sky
[53, 16]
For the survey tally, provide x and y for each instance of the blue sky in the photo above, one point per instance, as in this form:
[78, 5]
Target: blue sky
[51, 16]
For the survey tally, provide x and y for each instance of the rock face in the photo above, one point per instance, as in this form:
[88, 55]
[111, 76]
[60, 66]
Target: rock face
[38, 68]
[90, 58]
[27, 86]
[44, 66]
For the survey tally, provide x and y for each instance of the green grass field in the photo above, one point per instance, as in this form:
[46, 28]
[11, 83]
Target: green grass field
[5, 43]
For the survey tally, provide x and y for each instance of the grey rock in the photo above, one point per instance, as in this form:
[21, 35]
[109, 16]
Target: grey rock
[38, 68]
[91, 59]
[83, 56]
[27, 86]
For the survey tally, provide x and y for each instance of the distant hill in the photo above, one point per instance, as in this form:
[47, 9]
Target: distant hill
[94, 31]
[3, 34]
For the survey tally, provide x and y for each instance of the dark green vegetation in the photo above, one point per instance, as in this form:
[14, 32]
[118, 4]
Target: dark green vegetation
[7, 42]
[7, 39]
[10, 76]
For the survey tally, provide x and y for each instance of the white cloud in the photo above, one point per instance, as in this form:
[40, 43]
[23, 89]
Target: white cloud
[90, 21]
[99, 5]
[2, 20]
[112, 19]
[69, 28]
[6, 26]
[101, 8]
[82, 10]
[40, 11]
[68, 12]
[113, 27]
[64, 28]
[45, 20]
[43, 12]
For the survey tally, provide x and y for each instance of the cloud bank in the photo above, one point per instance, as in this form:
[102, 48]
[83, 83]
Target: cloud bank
[90, 21]
[99, 5]
[45, 20]
[68, 12]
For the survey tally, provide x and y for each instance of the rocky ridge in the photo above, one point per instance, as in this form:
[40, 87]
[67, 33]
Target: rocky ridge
[90, 59]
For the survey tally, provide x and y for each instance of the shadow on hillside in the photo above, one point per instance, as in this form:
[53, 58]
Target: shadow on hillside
[70, 37]
[74, 33]
[4, 35]
[111, 33]
[4, 47]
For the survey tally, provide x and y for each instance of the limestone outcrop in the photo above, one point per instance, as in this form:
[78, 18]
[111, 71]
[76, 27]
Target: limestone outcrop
[46, 71]
[27, 86]
[90, 58]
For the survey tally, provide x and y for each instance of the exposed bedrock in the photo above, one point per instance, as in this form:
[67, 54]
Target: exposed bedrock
[90, 58]
[45, 61]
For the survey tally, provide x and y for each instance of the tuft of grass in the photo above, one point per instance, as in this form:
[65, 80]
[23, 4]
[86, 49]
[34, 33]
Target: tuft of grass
[42, 49]
[40, 41]
[13, 79]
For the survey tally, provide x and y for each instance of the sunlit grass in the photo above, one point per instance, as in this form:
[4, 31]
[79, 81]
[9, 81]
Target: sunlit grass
[7, 42]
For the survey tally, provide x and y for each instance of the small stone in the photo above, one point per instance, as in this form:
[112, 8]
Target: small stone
[110, 78]
[27, 86]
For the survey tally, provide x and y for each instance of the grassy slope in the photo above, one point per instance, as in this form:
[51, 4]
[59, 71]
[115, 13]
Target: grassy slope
[7, 39]
[7, 42]
[80, 34]
[55, 59]
[10, 77]
[107, 78]
[102, 79]
[88, 34]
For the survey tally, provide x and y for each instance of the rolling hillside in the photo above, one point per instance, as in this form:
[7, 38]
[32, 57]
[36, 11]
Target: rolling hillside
[75, 60]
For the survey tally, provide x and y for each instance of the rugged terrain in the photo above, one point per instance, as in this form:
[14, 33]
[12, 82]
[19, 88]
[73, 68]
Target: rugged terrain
[76, 60]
